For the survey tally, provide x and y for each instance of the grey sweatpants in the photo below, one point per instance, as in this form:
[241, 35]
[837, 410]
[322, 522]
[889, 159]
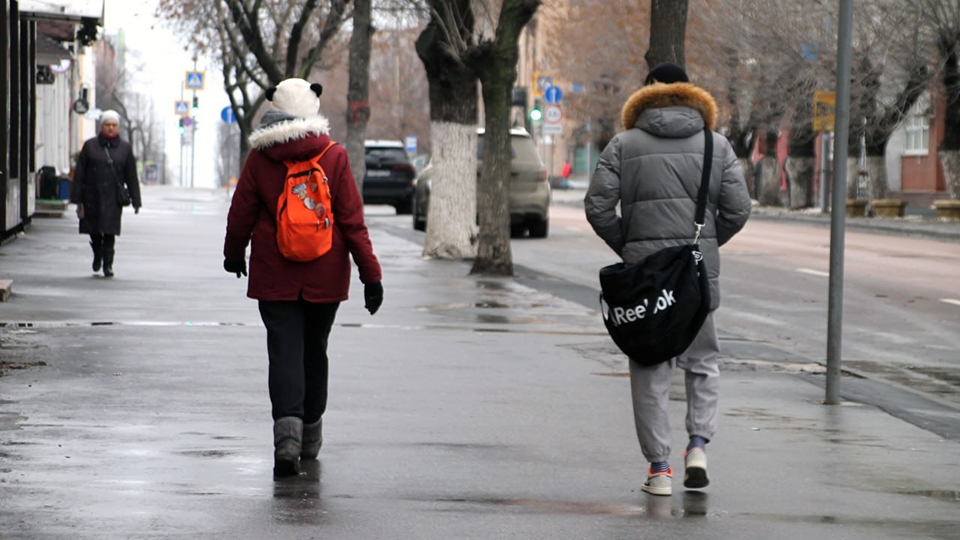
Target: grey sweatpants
[650, 387]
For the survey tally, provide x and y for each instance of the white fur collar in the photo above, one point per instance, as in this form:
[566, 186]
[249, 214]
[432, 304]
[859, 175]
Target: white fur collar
[290, 130]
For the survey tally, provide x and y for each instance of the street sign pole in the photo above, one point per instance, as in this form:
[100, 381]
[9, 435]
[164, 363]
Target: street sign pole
[838, 214]
[193, 130]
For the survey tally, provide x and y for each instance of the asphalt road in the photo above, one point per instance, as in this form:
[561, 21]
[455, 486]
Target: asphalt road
[901, 319]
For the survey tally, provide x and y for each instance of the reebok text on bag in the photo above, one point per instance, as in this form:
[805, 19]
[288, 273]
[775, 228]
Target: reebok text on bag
[305, 211]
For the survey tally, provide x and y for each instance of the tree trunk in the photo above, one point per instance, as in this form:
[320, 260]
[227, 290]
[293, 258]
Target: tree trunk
[949, 149]
[950, 161]
[493, 253]
[668, 28]
[451, 229]
[873, 186]
[800, 180]
[496, 64]
[769, 178]
[358, 89]
[747, 167]
[452, 214]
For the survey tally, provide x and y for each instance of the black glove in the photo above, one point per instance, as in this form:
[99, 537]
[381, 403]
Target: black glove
[372, 296]
[235, 267]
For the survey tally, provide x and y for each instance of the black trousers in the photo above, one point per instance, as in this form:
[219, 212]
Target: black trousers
[105, 241]
[297, 335]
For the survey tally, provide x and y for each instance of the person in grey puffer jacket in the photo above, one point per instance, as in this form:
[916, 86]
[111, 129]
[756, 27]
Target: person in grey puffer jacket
[652, 172]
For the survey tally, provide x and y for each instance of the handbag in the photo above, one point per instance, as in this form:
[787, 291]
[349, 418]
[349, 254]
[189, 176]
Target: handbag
[655, 308]
[123, 194]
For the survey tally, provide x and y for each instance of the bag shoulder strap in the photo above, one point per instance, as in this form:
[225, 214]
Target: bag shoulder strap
[704, 181]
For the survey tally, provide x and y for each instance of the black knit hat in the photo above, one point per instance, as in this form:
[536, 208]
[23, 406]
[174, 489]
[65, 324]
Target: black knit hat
[666, 73]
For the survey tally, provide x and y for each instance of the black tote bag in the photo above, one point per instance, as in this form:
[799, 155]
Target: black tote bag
[655, 308]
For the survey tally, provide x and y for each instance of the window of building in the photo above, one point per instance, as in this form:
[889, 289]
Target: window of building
[917, 126]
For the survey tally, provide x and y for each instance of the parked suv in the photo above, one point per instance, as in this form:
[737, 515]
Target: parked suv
[529, 197]
[390, 175]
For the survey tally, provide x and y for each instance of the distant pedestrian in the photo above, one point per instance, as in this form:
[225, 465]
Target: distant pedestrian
[652, 171]
[566, 170]
[105, 167]
[298, 301]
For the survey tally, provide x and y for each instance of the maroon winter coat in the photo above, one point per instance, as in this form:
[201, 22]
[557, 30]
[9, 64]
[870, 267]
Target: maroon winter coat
[252, 216]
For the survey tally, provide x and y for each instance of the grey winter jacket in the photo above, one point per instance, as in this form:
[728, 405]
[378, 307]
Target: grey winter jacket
[652, 171]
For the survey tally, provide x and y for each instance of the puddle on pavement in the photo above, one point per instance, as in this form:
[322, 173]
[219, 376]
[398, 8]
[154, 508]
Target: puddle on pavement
[57, 324]
[206, 453]
[940, 494]
[918, 528]
[550, 506]
[692, 504]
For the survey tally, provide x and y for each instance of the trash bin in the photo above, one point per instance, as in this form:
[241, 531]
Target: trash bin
[64, 189]
[49, 187]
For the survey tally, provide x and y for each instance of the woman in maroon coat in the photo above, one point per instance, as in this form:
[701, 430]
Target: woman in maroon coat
[298, 301]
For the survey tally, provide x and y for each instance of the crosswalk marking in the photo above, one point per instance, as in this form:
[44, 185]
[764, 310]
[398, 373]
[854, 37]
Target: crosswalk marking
[951, 301]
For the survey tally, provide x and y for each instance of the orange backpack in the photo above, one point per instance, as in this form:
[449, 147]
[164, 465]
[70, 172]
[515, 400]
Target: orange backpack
[304, 211]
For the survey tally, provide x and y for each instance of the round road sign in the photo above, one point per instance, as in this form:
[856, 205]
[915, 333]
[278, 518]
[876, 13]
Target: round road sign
[552, 114]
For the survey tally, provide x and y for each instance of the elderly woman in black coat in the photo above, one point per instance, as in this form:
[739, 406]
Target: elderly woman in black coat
[104, 182]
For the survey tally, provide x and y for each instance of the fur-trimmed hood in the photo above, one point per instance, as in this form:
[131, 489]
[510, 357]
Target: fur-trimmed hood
[661, 96]
[278, 127]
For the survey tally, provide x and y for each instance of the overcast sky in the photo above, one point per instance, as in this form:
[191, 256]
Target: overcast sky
[160, 64]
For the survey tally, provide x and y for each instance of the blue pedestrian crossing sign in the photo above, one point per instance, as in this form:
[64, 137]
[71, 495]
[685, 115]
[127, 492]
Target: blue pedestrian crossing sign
[195, 80]
[181, 108]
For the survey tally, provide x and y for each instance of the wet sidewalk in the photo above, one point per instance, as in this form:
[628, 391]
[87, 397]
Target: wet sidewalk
[468, 407]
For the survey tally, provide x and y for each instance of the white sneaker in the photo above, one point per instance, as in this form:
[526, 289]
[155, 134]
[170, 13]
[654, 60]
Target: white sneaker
[695, 464]
[660, 483]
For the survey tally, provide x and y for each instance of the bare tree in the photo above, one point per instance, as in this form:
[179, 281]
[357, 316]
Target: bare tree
[495, 61]
[228, 154]
[451, 233]
[258, 44]
[941, 22]
[138, 116]
[358, 91]
[668, 30]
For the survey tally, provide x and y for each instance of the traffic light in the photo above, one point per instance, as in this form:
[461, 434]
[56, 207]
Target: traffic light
[182, 127]
[196, 103]
[536, 113]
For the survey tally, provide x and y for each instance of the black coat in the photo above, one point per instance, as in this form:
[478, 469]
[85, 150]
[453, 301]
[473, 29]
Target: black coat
[95, 186]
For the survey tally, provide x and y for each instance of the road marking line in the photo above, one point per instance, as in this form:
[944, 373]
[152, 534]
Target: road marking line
[813, 272]
[950, 301]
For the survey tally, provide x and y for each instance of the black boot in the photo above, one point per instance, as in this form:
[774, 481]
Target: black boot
[108, 262]
[97, 255]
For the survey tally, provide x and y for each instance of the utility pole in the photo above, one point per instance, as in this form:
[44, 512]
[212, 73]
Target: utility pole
[837, 214]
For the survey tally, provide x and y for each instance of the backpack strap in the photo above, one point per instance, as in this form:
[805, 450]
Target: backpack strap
[314, 158]
[329, 146]
[699, 220]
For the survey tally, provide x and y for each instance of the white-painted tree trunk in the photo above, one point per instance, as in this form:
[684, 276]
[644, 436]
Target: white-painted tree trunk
[877, 179]
[452, 214]
[950, 160]
[800, 173]
[769, 178]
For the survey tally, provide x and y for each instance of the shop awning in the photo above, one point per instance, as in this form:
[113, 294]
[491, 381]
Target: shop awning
[50, 51]
[68, 10]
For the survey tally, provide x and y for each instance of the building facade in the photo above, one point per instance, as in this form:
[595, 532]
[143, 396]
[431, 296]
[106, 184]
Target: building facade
[46, 83]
